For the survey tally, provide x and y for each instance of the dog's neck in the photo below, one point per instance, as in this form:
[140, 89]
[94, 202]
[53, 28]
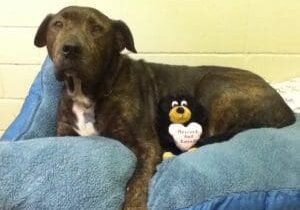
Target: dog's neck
[74, 88]
[110, 76]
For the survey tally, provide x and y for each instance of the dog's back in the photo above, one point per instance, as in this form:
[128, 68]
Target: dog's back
[235, 99]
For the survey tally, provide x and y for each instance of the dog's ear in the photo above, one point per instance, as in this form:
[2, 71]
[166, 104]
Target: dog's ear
[124, 37]
[41, 34]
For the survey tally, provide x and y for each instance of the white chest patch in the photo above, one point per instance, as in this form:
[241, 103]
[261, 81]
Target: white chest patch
[85, 120]
[185, 137]
[83, 108]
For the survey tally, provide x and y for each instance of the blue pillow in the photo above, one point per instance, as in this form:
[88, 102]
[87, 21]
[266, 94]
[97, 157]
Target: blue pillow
[64, 173]
[257, 169]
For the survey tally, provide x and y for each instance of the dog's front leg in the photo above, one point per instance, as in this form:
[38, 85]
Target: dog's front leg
[64, 129]
[64, 118]
[148, 153]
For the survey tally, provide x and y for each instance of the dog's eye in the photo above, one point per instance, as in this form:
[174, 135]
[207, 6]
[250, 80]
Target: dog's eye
[58, 24]
[174, 103]
[184, 103]
[97, 29]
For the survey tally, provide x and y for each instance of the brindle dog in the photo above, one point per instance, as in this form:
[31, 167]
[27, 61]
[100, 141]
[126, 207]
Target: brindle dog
[109, 94]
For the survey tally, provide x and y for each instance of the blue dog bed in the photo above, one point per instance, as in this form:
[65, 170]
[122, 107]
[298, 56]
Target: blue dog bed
[256, 169]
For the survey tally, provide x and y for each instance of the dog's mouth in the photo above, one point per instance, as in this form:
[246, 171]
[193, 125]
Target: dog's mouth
[65, 64]
[79, 67]
[65, 68]
[75, 90]
[70, 83]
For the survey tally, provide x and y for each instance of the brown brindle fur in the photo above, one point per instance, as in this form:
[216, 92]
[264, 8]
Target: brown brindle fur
[126, 92]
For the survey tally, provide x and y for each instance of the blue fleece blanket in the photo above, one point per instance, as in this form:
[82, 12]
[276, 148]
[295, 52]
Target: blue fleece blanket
[256, 169]
[64, 173]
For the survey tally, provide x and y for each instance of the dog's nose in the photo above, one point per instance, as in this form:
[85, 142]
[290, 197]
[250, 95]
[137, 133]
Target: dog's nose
[180, 110]
[71, 50]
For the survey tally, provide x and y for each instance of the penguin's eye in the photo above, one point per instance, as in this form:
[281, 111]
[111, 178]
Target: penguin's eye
[174, 103]
[184, 103]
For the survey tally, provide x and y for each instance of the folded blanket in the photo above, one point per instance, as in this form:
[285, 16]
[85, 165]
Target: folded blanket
[290, 92]
[64, 173]
[255, 166]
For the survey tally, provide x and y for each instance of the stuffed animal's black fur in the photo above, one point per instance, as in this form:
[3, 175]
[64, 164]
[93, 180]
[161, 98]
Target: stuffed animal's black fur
[199, 115]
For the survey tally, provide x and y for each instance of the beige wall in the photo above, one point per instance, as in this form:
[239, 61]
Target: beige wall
[263, 36]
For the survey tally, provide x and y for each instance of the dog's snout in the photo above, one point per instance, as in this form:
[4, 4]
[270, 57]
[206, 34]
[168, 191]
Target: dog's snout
[180, 110]
[71, 50]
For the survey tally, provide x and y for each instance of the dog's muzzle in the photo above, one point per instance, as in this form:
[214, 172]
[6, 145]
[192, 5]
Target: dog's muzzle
[71, 50]
[67, 59]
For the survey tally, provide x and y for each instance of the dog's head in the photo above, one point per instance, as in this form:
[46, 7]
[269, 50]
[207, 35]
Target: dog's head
[82, 41]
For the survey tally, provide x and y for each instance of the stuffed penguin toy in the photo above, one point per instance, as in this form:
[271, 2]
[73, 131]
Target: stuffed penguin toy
[181, 121]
